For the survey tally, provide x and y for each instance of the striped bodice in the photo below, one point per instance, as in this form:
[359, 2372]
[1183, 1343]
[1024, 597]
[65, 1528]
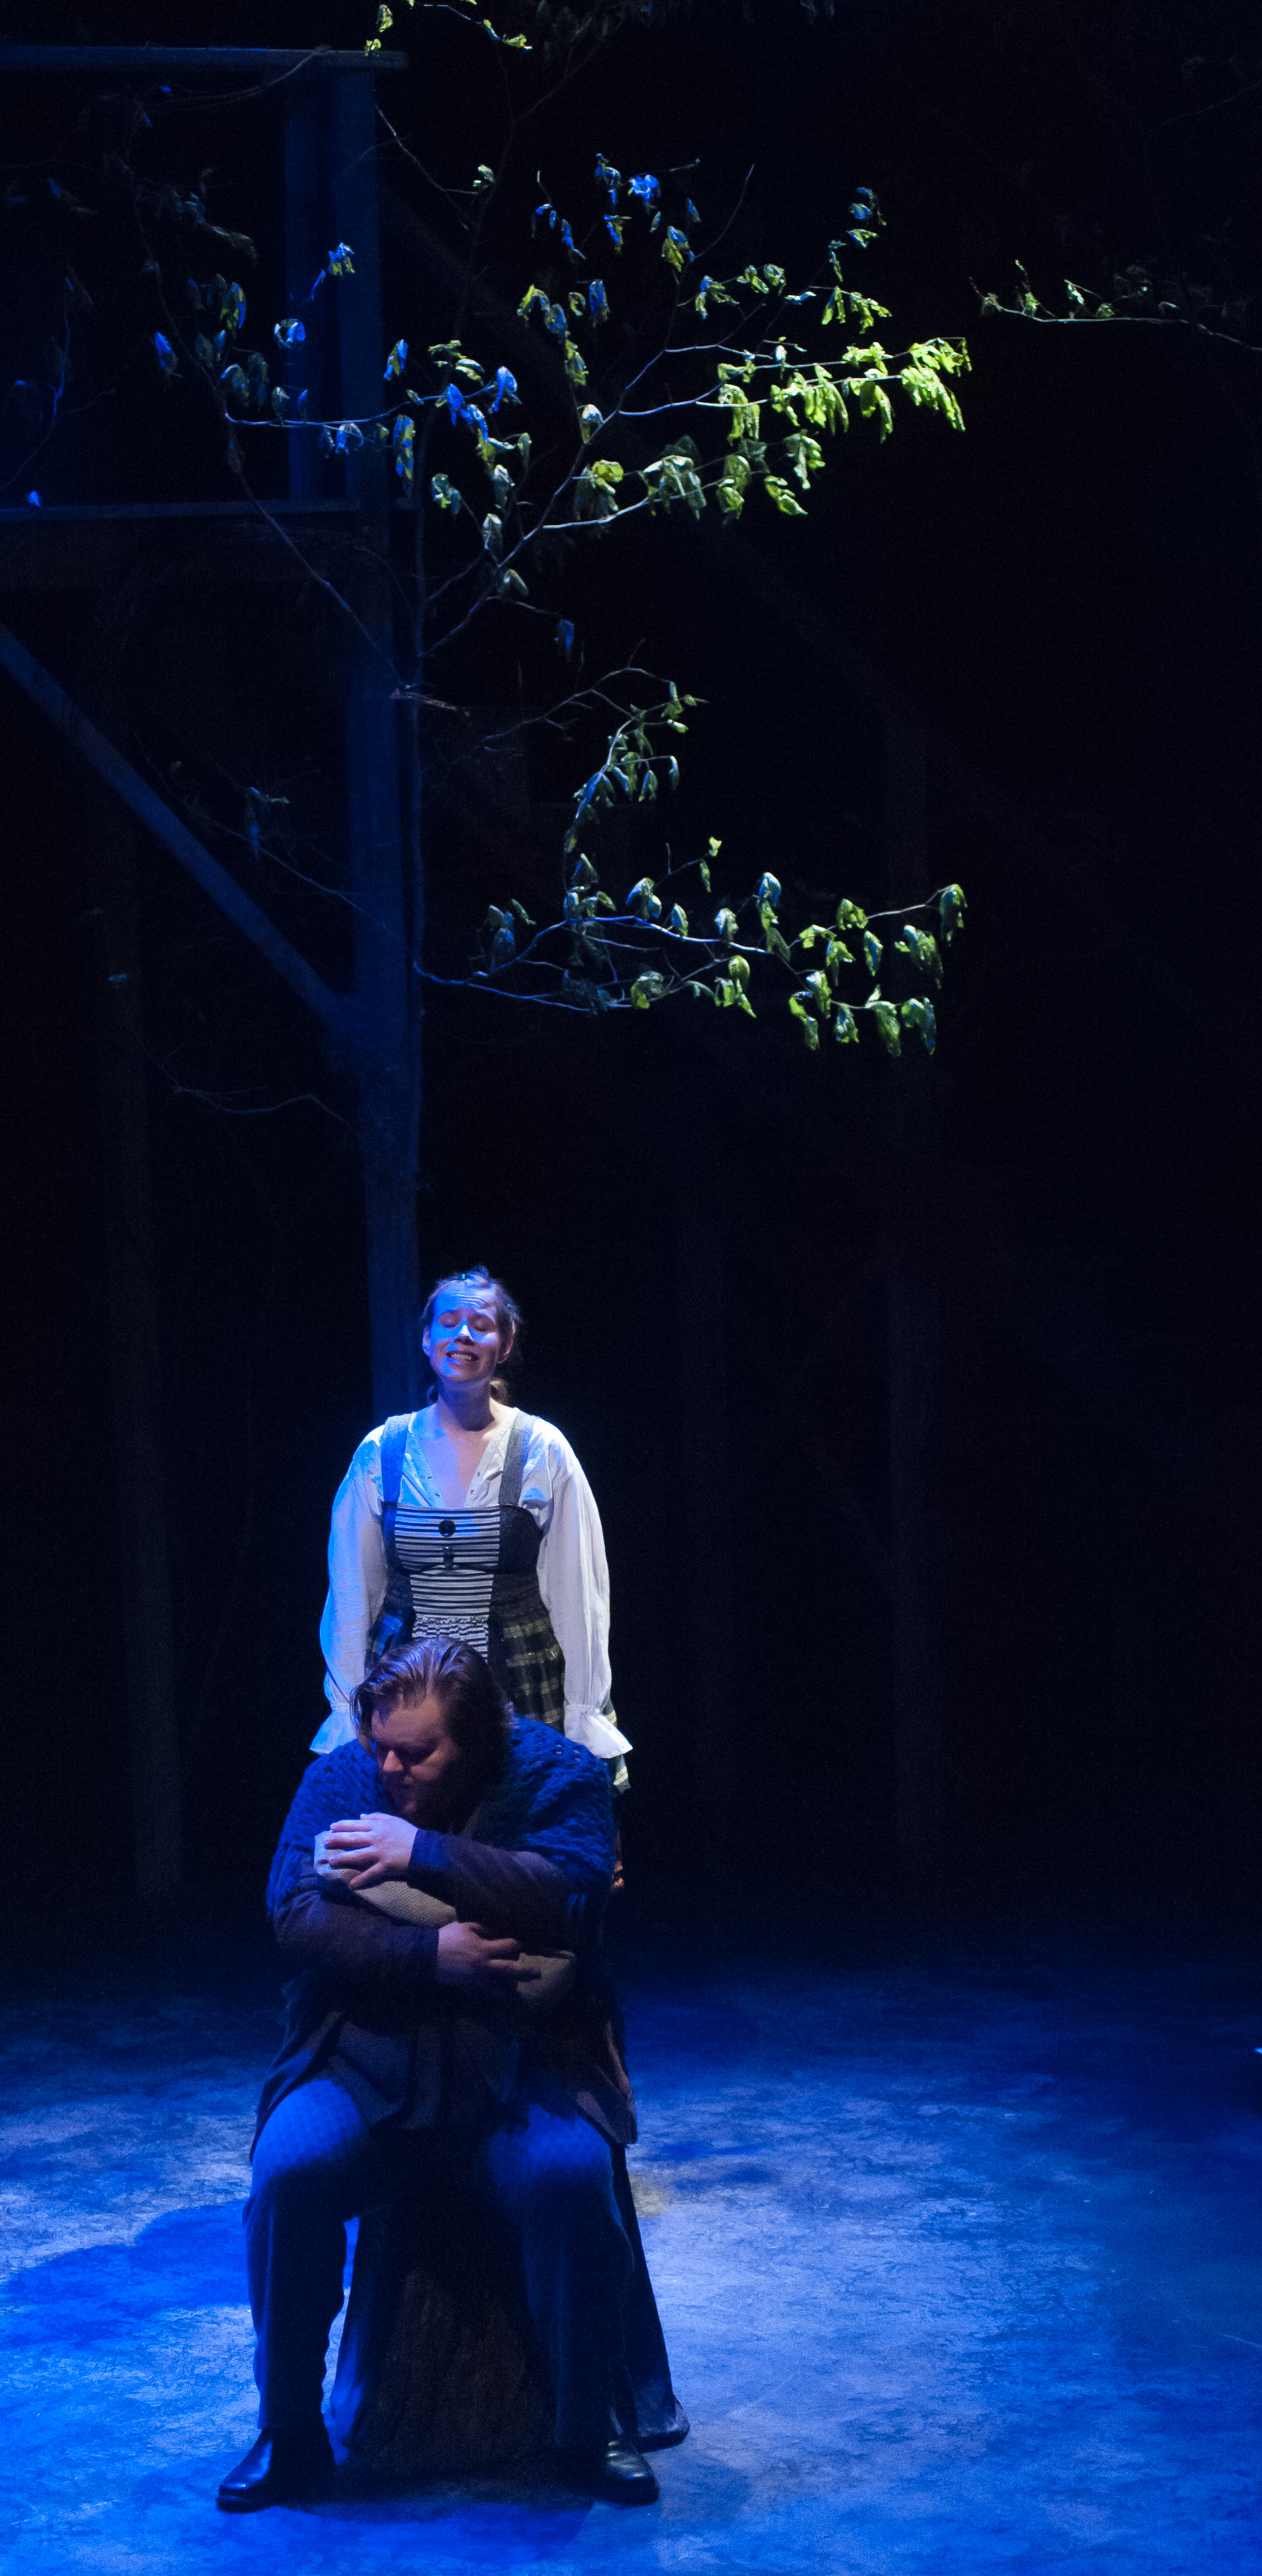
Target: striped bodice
[455, 1562]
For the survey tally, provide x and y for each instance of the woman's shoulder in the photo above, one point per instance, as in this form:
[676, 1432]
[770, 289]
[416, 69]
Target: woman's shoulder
[547, 1446]
[366, 1460]
[366, 1456]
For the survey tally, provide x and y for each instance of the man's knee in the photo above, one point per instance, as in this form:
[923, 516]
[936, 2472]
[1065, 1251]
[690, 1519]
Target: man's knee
[308, 2152]
[562, 2172]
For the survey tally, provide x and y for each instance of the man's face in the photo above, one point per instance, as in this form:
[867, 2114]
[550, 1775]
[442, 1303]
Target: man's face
[463, 1344]
[422, 1771]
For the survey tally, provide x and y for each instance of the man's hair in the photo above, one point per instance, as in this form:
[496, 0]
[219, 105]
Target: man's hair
[459, 1678]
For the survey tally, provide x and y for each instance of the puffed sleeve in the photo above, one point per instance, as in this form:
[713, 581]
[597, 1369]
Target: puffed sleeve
[357, 1588]
[574, 1583]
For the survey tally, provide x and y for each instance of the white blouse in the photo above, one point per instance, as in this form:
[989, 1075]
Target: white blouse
[573, 1576]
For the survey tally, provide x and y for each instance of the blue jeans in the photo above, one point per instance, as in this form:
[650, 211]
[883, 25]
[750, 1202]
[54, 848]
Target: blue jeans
[545, 2173]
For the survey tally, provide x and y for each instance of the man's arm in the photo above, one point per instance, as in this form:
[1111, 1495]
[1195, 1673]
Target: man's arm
[518, 1893]
[319, 1926]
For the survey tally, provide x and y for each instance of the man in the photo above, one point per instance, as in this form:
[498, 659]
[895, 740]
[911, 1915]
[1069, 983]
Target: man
[408, 2043]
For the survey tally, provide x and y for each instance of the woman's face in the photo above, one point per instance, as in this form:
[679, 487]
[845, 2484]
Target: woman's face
[464, 1345]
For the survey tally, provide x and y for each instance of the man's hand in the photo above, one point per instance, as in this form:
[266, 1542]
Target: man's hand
[467, 1956]
[376, 1847]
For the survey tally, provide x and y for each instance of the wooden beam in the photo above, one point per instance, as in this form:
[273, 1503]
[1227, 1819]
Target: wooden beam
[135, 791]
[267, 60]
[83, 514]
[75, 550]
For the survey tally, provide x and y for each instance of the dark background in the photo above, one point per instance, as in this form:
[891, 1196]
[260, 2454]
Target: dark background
[1064, 603]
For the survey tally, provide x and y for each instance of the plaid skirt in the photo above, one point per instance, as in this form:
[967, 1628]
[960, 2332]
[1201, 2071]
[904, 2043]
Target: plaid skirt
[523, 1652]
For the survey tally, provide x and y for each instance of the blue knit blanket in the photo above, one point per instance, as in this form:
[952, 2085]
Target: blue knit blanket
[553, 1798]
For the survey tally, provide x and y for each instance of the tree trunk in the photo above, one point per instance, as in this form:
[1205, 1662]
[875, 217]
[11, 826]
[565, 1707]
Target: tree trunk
[385, 870]
[914, 1343]
[707, 1531]
[144, 1558]
[914, 1331]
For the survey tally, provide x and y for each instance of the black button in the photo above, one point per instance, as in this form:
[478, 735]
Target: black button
[447, 1529]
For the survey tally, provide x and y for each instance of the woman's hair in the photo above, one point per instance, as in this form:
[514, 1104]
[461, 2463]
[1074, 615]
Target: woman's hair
[507, 1315]
[458, 1677]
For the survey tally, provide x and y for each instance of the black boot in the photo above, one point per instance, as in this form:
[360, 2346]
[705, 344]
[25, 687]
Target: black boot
[623, 2475]
[281, 2467]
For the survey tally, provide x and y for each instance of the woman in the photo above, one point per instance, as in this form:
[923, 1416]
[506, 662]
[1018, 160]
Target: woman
[471, 1519]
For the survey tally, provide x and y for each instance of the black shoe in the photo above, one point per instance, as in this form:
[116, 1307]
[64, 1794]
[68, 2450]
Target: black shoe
[623, 2476]
[280, 2468]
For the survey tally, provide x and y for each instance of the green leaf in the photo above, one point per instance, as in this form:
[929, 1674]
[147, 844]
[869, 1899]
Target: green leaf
[404, 444]
[874, 402]
[725, 924]
[785, 502]
[886, 1018]
[674, 478]
[679, 921]
[951, 910]
[710, 292]
[733, 484]
[849, 916]
[646, 989]
[807, 455]
[837, 955]
[845, 1026]
[919, 1014]
[768, 890]
[871, 951]
[643, 901]
[809, 1023]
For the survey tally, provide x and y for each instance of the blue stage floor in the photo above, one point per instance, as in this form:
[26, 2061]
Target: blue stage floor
[960, 2264]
